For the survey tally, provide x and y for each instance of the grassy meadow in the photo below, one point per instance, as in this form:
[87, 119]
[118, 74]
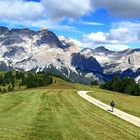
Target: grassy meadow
[56, 112]
[127, 103]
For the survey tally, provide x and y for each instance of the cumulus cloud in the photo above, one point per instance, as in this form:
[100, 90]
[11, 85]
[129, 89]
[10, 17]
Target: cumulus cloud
[120, 8]
[52, 11]
[123, 35]
[49, 12]
[73, 8]
[20, 10]
[83, 43]
[117, 38]
[59, 9]
[117, 35]
[97, 37]
[30, 10]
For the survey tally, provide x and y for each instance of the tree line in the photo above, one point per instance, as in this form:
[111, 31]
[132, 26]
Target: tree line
[10, 79]
[126, 85]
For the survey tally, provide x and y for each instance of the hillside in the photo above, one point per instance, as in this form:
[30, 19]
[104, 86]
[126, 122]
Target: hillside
[57, 112]
[69, 70]
[127, 103]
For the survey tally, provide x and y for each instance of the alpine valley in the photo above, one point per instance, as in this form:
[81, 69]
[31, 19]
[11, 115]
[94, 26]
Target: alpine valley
[28, 50]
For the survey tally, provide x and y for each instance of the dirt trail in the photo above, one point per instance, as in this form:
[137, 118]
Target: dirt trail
[123, 115]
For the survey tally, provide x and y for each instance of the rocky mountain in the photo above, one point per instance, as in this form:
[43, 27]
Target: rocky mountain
[28, 50]
[113, 61]
[122, 63]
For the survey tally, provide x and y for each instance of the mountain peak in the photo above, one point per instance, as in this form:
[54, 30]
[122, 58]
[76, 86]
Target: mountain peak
[3, 30]
[101, 49]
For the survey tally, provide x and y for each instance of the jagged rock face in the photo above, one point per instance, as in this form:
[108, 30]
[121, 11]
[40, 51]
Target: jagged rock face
[131, 60]
[103, 49]
[27, 49]
[52, 54]
[19, 44]
[115, 61]
[86, 64]
[38, 50]
[48, 37]
[38, 38]
[69, 44]
[3, 30]
[102, 54]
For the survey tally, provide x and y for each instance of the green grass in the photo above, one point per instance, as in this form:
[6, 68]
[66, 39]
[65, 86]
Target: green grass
[58, 114]
[2, 73]
[127, 103]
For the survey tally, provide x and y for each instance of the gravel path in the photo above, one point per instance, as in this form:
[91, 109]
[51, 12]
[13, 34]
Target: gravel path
[123, 115]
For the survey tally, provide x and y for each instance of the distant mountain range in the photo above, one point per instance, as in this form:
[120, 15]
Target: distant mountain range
[121, 63]
[28, 50]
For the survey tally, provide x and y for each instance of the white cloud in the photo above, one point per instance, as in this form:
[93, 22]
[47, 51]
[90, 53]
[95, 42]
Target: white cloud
[59, 9]
[120, 33]
[91, 44]
[123, 35]
[127, 24]
[48, 13]
[116, 47]
[117, 38]
[97, 37]
[120, 8]
[54, 9]
[90, 23]
[20, 10]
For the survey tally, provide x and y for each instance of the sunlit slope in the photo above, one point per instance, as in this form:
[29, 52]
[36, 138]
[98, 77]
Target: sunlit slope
[43, 114]
[127, 103]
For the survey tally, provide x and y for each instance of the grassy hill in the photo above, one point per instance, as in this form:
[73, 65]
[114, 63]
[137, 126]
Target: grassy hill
[56, 112]
[127, 103]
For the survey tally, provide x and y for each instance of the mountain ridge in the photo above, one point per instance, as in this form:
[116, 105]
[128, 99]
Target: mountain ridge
[42, 50]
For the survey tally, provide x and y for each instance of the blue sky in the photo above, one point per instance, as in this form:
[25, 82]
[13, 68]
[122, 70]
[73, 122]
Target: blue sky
[89, 23]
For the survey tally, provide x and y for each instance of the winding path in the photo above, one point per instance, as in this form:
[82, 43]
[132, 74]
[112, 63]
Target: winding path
[123, 115]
